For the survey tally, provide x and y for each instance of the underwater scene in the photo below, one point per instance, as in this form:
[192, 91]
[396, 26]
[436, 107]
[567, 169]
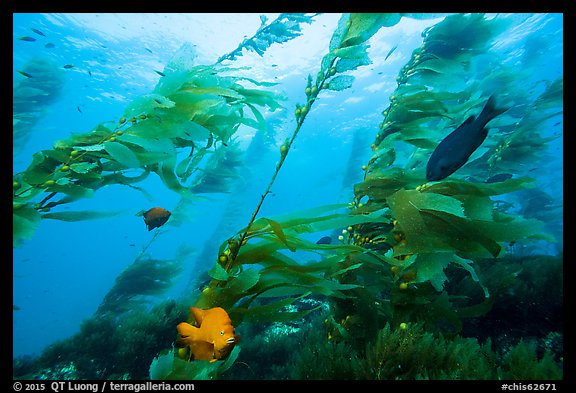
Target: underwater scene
[352, 196]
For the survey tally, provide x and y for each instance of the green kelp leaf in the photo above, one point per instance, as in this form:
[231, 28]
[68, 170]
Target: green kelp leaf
[272, 277]
[343, 65]
[214, 90]
[352, 52]
[73, 190]
[466, 264]
[25, 220]
[170, 367]
[431, 201]
[61, 156]
[380, 184]
[41, 168]
[161, 365]
[383, 158]
[362, 26]
[422, 143]
[459, 233]
[168, 176]
[218, 273]
[148, 150]
[346, 269]
[97, 147]
[507, 228]
[96, 136]
[339, 34]
[83, 167]
[243, 281]
[277, 229]
[262, 98]
[477, 207]
[122, 154]
[72, 216]
[262, 125]
[341, 82]
[430, 267]
[429, 231]
[440, 66]
[184, 168]
[275, 311]
[461, 187]
[147, 103]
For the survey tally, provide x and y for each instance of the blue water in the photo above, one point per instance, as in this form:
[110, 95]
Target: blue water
[62, 273]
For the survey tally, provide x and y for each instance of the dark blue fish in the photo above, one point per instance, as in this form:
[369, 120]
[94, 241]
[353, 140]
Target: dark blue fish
[26, 38]
[159, 73]
[391, 51]
[38, 32]
[455, 150]
[324, 240]
[68, 66]
[27, 75]
[499, 178]
[49, 45]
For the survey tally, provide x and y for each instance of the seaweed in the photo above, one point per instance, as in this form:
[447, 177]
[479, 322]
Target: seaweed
[145, 277]
[195, 110]
[400, 237]
[111, 346]
[31, 97]
[416, 264]
[410, 353]
[284, 28]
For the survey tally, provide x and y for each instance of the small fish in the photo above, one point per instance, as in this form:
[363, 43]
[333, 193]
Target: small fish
[49, 45]
[324, 240]
[155, 217]
[68, 66]
[210, 141]
[499, 178]
[390, 52]
[455, 150]
[15, 307]
[79, 110]
[212, 340]
[148, 49]
[27, 75]
[159, 73]
[158, 101]
[38, 32]
[26, 38]
[90, 73]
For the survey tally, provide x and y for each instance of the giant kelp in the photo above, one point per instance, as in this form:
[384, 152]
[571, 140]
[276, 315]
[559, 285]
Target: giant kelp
[408, 252]
[401, 237]
[191, 113]
[40, 86]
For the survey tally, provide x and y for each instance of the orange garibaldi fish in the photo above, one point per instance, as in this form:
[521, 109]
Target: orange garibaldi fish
[156, 217]
[214, 337]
